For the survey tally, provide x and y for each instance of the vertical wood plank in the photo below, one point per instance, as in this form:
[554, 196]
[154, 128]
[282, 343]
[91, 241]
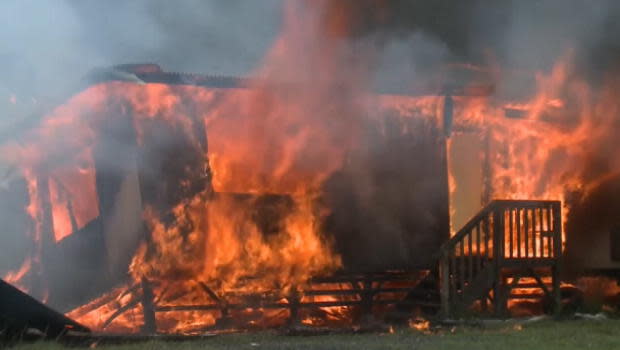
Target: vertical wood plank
[534, 233]
[148, 308]
[453, 277]
[519, 243]
[470, 255]
[526, 232]
[444, 271]
[498, 242]
[462, 266]
[487, 238]
[550, 229]
[478, 250]
[557, 244]
[557, 230]
[543, 238]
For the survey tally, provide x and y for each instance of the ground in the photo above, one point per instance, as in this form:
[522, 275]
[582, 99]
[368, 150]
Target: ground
[565, 335]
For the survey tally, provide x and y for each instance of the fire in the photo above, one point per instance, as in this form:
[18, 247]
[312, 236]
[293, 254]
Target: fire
[249, 221]
[16, 276]
[34, 211]
[545, 150]
[600, 290]
[329, 315]
[233, 246]
[71, 193]
[97, 313]
[420, 324]
[272, 144]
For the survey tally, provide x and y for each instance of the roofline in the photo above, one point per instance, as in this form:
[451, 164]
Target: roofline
[151, 73]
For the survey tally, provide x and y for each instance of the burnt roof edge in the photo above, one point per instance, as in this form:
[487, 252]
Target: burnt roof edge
[149, 73]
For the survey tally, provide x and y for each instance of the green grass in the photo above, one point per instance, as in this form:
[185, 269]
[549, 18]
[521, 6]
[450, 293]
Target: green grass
[542, 335]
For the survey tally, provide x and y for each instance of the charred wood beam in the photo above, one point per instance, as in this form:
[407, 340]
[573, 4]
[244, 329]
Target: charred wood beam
[148, 308]
[221, 302]
[355, 291]
[366, 298]
[294, 301]
[534, 285]
[316, 292]
[171, 297]
[540, 283]
[140, 74]
[210, 293]
[360, 278]
[130, 305]
[537, 296]
[343, 277]
[105, 300]
[213, 307]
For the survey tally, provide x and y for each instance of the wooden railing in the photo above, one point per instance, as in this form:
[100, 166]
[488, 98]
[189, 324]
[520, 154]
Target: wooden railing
[504, 233]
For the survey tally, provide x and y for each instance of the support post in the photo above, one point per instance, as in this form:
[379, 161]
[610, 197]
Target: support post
[148, 308]
[484, 304]
[293, 300]
[366, 295]
[444, 154]
[498, 255]
[444, 272]
[557, 250]
[487, 172]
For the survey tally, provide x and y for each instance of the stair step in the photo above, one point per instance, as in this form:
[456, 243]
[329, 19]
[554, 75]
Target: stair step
[423, 292]
[526, 296]
[419, 303]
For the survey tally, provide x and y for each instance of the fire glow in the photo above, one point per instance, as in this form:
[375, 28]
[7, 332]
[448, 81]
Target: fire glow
[271, 139]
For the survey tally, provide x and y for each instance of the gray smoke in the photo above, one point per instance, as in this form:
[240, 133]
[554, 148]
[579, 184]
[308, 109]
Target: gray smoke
[46, 46]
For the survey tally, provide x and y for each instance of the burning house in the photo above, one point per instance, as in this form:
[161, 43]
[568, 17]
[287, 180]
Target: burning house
[149, 181]
[181, 203]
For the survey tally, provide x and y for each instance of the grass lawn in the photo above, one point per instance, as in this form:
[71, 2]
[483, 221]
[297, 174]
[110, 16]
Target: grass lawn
[564, 335]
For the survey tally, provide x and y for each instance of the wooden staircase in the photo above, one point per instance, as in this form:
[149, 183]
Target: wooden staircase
[509, 240]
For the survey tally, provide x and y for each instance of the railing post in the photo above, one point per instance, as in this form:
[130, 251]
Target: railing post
[529, 217]
[444, 272]
[557, 256]
[498, 256]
